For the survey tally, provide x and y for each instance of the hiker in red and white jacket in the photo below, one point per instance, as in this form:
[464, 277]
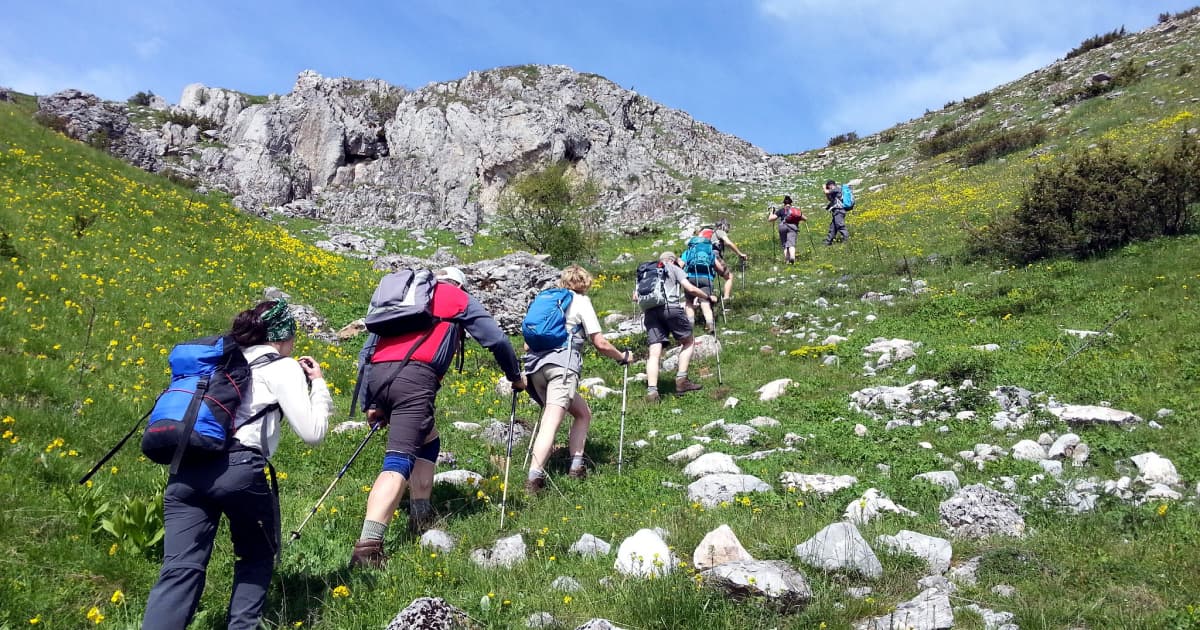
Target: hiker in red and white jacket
[402, 395]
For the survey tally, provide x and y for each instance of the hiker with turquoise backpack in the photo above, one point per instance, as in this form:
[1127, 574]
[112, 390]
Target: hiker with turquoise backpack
[840, 199]
[700, 265]
[558, 325]
[215, 474]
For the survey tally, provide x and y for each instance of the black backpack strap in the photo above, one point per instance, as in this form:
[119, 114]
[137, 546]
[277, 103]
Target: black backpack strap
[193, 410]
[115, 449]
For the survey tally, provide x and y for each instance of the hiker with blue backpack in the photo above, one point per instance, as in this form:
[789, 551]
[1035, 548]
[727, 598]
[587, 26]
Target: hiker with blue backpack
[229, 480]
[418, 321]
[557, 327]
[840, 199]
[700, 263]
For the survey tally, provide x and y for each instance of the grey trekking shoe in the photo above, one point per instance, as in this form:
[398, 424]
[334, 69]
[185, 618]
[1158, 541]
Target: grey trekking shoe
[685, 385]
[369, 554]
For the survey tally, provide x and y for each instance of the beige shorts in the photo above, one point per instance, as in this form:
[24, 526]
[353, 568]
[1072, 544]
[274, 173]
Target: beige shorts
[554, 385]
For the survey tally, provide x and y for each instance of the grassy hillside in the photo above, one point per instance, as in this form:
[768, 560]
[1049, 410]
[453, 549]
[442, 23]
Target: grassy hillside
[105, 267]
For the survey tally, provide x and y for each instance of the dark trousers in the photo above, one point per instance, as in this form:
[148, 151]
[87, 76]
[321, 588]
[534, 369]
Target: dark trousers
[837, 226]
[195, 499]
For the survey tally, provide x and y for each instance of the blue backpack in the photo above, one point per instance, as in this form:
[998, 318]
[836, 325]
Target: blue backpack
[847, 197]
[699, 259]
[545, 325]
[193, 417]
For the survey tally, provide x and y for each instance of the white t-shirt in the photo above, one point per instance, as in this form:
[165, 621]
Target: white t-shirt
[282, 382]
[582, 323]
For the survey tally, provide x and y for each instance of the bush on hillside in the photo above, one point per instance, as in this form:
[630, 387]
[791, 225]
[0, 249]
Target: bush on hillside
[187, 119]
[1096, 41]
[948, 138]
[544, 211]
[850, 136]
[141, 99]
[979, 101]
[1167, 17]
[1097, 201]
[1000, 144]
[1126, 75]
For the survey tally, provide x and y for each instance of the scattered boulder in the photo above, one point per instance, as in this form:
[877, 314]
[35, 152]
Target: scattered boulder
[782, 586]
[774, 389]
[1064, 446]
[687, 454]
[713, 490]
[644, 554]
[566, 584]
[977, 511]
[497, 432]
[505, 286]
[711, 464]
[718, 547]
[1092, 415]
[430, 613]
[1154, 469]
[871, 506]
[542, 620]
[944, 478]
[706, 347]
[763, 422]
[928, 611]
[840, 547]
[1029, 451]
[590, 546]
[935, 551]
[598, 624]
[461, 478]
[820, 483]
[506, 553]
[438, 540]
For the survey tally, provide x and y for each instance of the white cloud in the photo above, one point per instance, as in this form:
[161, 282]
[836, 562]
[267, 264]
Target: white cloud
[867, 108]
[149, 47]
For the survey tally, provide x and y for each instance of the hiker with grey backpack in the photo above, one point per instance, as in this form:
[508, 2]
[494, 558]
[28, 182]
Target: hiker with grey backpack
[218, 460]
[557, 327]
[789, 218]
[660, 291]
[417, 320]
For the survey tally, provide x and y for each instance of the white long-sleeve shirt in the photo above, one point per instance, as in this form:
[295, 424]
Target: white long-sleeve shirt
[282, 382]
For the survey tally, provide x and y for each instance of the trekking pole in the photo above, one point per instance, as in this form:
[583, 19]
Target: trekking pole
[717, 339]
[529, 449]
[296, 533]
[621, 439]
[512, 420]
[742, 269]
[812, 246]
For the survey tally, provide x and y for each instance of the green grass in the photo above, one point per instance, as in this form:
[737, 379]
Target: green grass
[110, 266]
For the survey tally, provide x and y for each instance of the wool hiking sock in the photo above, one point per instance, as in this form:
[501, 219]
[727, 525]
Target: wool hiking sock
[535, 474]
[373, 530]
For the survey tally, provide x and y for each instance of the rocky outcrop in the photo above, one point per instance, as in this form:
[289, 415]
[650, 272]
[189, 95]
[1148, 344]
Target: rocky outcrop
[87, 118]
[368, 153]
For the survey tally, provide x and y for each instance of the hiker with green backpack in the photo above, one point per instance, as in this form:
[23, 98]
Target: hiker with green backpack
[228, 478]
[840, 199]
[558, 325]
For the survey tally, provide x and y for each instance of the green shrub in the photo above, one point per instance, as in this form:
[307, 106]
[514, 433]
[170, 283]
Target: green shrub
[385, 104]
[1097, 201]
[1096, 41]
[1126, 75]
[7, 250]
[141, 99]
[52, 122]
[887, 135]
[187, 119]
[1185, 68]
[979, 101]
[544, 210]
[1167, 17]
[850, 136]
[947, 138]
[1002, 143]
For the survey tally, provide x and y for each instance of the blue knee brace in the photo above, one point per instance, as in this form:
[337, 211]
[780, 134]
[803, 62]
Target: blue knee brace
[398, 463]
[429, 450]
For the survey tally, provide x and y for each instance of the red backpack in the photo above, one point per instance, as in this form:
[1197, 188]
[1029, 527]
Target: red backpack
[794, 215]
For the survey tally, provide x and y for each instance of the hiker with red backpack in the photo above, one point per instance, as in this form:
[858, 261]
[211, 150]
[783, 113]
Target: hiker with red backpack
[202, 486]
[417, 320]
[659, 292]
[558, 325]
[789, 218]
[839, 200]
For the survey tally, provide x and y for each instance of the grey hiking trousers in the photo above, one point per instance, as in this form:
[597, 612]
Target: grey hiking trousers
[232, 484]
[837, 225]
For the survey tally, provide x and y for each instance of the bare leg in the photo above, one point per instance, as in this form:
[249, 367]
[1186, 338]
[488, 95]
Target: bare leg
[552, 416]
[652, 361]
[685, 355]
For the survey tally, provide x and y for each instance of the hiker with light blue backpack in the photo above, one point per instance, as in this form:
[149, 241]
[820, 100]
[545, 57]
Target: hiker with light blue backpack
[558, 325]
[700, 264]
[840, 199]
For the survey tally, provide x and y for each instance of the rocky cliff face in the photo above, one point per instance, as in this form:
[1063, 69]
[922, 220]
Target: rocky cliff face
[366, 152]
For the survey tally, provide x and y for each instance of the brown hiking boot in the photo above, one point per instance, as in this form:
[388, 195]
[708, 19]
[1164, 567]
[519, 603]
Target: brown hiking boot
[535, 486]
[578, 473]
[369, 554]
[652, 397]
[683, 386]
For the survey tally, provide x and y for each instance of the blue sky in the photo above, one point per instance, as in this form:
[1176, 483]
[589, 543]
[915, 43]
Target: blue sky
[783, 74]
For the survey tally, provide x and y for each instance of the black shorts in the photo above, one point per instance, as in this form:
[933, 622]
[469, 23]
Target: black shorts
[406, 398]
[663, 322]
[704, 283]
